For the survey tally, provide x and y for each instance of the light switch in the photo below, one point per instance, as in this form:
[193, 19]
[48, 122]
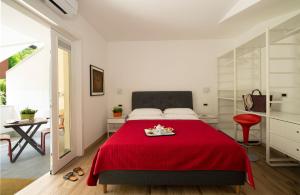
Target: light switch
[119, 91]
[206, 90]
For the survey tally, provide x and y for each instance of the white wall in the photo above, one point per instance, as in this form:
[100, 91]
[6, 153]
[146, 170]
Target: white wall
[94, 109]
[164, 65]
[28, 82]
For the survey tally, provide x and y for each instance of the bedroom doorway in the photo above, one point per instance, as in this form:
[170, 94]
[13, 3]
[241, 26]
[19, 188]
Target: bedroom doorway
[30, 78]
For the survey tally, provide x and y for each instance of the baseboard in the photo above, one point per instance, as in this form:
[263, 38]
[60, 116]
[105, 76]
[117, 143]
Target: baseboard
[96, 142]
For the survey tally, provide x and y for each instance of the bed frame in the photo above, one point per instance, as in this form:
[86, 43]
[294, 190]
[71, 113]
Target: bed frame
[163, 100]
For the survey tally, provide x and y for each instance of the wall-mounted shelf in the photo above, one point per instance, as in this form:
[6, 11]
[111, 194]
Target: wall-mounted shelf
[226, 98]
[284, 101]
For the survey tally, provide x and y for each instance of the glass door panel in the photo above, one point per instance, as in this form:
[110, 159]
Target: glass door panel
[64, 54]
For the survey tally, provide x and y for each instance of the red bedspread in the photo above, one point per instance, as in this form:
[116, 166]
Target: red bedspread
[196, 146]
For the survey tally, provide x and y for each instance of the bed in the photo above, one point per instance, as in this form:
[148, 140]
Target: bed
[130, 157]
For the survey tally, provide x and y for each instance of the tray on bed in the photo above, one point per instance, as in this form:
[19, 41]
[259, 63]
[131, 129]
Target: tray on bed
[151, 133]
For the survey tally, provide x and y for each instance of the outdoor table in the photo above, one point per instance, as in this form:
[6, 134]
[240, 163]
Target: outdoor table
[27, 135]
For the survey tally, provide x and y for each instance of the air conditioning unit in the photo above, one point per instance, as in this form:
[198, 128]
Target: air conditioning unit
[64, 7]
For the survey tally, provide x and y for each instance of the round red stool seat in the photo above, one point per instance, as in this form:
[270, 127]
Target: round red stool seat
[247, 121]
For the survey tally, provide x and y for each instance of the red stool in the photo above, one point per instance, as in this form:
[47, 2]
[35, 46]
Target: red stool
[44, 132]
[247, 121]
[5, 137]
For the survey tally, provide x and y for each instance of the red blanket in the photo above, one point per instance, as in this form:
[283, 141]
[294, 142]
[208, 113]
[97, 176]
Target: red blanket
[196, 146]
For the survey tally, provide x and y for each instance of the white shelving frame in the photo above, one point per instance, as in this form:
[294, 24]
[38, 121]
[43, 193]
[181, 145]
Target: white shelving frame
[273, 36]
[226, 92]
[249, 77]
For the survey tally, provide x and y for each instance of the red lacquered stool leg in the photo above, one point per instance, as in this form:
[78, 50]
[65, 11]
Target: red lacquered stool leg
[246, 130]
[247, 121]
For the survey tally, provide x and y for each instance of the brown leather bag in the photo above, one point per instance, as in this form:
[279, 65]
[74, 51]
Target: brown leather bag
[258, 101]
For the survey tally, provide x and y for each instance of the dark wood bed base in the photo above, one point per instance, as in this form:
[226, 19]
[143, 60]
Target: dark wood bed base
[152, 178]
[237, 189]
[163, 100]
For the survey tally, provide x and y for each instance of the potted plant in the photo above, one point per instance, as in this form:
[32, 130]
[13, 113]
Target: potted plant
[117, 111]
[28, 113]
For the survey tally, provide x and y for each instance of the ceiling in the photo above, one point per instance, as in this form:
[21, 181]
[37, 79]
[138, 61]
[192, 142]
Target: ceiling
[144, 20]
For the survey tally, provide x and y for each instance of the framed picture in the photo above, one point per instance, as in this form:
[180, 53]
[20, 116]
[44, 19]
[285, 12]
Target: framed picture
[96, 81]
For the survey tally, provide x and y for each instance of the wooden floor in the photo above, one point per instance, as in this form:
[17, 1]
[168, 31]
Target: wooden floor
[268, 180]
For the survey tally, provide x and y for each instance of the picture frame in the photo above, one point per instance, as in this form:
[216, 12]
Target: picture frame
[96, 81]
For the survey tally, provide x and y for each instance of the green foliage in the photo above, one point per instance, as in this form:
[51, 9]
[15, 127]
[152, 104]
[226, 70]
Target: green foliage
[117, 109]
[28, 111]
[18, 57]
[2, 91]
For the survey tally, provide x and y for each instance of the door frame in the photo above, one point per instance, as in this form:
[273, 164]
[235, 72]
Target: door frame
[75, 102]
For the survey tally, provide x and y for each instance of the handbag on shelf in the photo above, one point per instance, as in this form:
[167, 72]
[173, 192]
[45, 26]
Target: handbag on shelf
[256, 103]
[248, 103]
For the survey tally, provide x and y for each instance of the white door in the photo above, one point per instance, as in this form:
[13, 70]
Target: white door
[62, 147]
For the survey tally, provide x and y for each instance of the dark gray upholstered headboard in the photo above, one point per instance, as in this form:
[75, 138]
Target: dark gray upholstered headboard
[162, 99]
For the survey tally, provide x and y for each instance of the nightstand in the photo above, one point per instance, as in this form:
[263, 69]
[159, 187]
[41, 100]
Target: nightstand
[210, 119]
[113, 124]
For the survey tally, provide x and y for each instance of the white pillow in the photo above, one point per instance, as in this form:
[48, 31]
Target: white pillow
[180, 111]
[145, 117]
[146, 111]
[181, 116]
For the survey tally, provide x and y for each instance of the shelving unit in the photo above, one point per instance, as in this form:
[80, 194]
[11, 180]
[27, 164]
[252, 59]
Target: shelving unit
[226, 101]
[249, 76]
[283, 83]
[269, 62]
